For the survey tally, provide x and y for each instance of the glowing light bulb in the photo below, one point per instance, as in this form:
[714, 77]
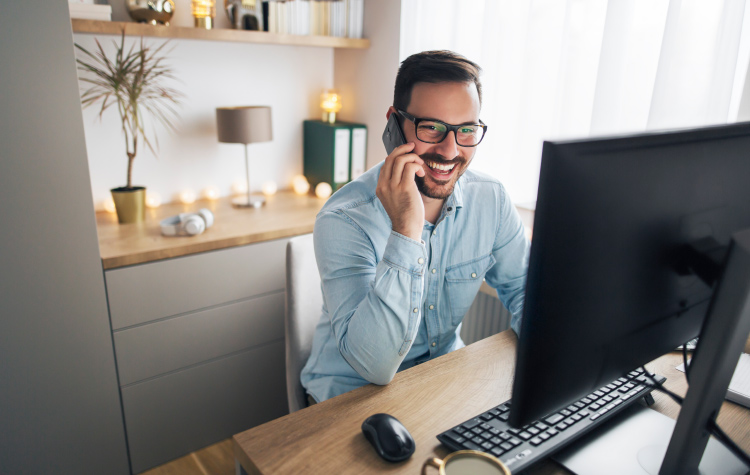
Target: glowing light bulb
[300, 185]
[211, 193]
[323, 190]
[187, 197]
[269, 188]
[239, 187]
[109, 205]
[153, 199]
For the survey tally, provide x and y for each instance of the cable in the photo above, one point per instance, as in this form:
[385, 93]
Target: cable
[713, 427]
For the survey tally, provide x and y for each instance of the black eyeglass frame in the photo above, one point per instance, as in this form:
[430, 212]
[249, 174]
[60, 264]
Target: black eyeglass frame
[448, 128]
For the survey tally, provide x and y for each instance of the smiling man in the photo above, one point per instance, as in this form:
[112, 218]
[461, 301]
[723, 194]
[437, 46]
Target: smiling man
[403, 250]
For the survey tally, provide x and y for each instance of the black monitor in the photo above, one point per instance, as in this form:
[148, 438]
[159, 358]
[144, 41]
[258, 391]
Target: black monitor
[619, 231]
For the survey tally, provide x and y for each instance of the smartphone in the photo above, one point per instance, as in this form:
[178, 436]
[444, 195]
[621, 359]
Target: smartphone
[393, 136]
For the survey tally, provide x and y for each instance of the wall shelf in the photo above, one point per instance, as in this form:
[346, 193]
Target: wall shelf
[219, 34]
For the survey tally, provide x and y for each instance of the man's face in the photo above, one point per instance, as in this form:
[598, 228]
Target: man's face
[453, 103]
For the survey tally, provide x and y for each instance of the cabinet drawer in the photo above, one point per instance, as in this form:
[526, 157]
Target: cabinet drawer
[161, 289]
[171, 416]
[157, 348]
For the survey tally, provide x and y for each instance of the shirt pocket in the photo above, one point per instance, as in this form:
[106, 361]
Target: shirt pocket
[462, 283]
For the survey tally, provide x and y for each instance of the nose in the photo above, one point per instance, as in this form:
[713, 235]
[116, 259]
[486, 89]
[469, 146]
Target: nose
[448, 147]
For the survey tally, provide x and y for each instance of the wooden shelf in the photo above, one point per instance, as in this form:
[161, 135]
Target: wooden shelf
[284, 215]
[219, 34]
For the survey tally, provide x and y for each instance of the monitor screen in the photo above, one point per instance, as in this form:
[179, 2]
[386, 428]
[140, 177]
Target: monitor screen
[606, 289]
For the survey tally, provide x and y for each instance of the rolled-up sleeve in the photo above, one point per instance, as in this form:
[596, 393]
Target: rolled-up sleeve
[374, 307]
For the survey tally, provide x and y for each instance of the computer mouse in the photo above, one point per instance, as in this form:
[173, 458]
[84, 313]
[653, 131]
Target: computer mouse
[389, 437]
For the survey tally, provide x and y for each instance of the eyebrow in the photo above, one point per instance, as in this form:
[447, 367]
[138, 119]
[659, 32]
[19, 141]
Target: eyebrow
[444, 122]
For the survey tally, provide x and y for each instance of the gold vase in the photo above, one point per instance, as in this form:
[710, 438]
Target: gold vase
[130, 204]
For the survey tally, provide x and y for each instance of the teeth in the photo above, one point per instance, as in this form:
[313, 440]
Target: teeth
[441, 167]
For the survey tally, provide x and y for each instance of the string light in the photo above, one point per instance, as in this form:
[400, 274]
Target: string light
[323, 190]
[211, 193]
[187, 197]
[153, 199]
[269, 188]
[300, 185]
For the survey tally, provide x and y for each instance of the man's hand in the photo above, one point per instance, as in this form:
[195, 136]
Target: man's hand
[398, 192]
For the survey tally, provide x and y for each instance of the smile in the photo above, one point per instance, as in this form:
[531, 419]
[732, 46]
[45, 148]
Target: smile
[441, 167]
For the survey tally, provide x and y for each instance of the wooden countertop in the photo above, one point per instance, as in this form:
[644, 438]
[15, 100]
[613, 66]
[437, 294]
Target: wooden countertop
[284, 214]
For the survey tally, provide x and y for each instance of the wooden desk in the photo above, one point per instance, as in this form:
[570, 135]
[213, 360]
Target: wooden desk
[428, 399]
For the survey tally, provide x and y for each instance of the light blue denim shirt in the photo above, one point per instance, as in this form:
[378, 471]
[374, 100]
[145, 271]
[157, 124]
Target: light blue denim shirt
[390, 302]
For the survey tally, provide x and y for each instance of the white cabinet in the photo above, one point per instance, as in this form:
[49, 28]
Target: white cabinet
[199, 343]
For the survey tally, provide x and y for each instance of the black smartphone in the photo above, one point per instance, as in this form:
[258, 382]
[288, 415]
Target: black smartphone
[393, 136]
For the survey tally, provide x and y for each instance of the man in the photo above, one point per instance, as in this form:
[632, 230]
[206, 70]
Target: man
[403, 249]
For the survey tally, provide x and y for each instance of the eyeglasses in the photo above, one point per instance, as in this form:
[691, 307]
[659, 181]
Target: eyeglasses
[435, 131]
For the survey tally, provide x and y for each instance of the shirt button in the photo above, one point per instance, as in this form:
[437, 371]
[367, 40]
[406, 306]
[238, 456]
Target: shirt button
[434, 233]
[450, 208]
[434, 344]
[420, 260]
[416, 310]
[473, 275]
[434, 270]
[432, 307]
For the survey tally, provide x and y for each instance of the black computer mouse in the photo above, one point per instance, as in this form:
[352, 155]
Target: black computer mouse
[389, 437]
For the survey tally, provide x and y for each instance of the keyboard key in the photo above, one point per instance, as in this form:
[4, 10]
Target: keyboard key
[544, 436]
[513, 430]
[541, 426]
[506, 446]
[472, 446]
[553, 419]
[565, 412]
[486, 434]
[514, 441]
[504, 435]
[535, 441]
[471, 424]
[502, 408]
[494, 431]
[524, 435]
[485, 426]
[572, 408]
[533, 430]
[552, 432]
[497, 451]
[586, 401]
[611, 386]
[598, 393]
[595, 406]
[455, 438]
[496, 441]
[487, 446]
[584, 413]
[459, 430]
[486, 417]
[580, 405]
[477, 430]
[561, 426]
[478, 440]
[595, 416]
[577, 417]
[503, 417]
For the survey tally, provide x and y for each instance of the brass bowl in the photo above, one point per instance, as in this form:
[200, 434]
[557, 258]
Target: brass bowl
[151, 11]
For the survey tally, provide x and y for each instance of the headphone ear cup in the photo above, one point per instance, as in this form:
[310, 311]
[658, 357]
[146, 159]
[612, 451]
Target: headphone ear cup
[194, 224]
[208, 216]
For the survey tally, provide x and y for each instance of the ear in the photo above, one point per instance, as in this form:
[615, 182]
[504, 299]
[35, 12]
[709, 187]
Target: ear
[391, 110]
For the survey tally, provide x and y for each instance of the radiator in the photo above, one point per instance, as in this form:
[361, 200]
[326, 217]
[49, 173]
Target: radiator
[485, 317]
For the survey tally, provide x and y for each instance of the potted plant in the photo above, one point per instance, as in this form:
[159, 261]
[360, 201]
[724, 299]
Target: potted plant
[133, 82]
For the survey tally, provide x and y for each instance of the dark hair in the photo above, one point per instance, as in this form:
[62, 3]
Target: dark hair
[433, 67]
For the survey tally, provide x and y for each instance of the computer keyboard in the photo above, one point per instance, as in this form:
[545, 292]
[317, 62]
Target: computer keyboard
[522, 447]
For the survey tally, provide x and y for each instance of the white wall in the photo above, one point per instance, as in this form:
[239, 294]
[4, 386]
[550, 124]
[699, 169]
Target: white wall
[366, 78]
[214, 74]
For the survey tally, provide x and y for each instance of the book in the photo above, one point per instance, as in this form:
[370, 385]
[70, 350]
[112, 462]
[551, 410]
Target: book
[333, 153]
[90, 11]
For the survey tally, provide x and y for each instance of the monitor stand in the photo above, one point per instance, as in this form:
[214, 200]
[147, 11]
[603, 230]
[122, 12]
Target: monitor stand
[634, 443]
[722, 339]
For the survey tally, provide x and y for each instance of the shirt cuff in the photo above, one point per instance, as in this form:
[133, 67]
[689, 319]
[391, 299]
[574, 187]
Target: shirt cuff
[405, 253]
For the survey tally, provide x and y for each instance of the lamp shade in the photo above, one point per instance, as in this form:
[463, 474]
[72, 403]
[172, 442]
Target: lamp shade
[247, 124]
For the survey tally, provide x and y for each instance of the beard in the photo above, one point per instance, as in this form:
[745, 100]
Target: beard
[440, 190]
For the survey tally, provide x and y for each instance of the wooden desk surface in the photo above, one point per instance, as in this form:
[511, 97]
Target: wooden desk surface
[427, 399]
[284, 214]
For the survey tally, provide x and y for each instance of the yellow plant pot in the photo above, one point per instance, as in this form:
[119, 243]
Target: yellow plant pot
[130, 204]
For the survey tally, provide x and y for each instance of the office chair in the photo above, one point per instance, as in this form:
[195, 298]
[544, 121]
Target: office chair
[304, 302]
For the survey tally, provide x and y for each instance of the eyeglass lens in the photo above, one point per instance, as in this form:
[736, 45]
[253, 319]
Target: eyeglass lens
[433, 132]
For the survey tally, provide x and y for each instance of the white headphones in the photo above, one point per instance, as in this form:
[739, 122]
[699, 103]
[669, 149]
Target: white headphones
[187, 224]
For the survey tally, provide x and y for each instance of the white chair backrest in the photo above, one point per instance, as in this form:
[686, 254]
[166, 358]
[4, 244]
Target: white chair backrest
[304, 302]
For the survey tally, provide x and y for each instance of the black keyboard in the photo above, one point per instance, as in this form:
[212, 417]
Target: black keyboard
[519, 448]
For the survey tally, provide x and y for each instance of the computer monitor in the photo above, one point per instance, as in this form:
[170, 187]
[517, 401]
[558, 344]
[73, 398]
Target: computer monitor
[611, 284]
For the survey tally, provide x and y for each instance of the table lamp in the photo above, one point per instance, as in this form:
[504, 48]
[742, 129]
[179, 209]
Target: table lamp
[245, 125]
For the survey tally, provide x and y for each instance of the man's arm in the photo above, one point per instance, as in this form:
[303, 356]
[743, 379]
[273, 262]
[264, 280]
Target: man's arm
[371, 305]
[511, 251]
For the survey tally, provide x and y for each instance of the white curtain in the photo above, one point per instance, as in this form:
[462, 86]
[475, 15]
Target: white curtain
[558, 69]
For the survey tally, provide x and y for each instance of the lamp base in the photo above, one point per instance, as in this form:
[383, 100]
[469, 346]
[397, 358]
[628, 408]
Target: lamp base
[242, 201]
